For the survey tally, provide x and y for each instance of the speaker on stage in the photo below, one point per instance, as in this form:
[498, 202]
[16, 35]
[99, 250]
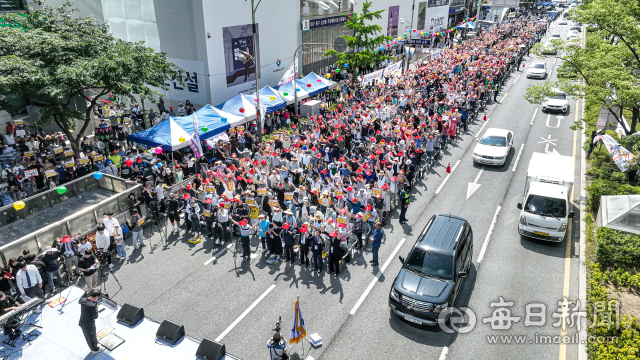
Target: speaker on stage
[130, 314]
[210, 350]
[170, 332]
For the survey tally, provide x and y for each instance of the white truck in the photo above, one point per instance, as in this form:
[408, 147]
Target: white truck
[546, 204]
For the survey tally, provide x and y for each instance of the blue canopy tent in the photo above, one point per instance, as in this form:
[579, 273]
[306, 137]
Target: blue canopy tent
[208, 117]
[467, 25]
[266, 93]
[240, 101]
[166, 134]
[313, 84]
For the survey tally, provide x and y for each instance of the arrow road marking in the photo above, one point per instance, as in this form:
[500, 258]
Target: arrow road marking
[533, 117]
[559, 117]
[474, 185]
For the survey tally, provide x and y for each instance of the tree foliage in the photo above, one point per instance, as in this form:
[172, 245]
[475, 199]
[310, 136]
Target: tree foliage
[366, 40]
[609, 63]
[55, 57]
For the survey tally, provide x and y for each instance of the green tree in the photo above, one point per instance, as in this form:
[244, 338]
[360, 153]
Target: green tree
[365, 42]
[608, 66]
[57, 58]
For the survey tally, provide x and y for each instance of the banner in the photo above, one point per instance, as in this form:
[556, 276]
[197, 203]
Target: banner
[288, 196]
[210, 188]
[250, 200]
[31, 172]
[141, 220]
[213, 142]
[68, 153]
[50, 173]
[620, 155]
[372, 76]
[84, 160]
[376, 191]
[206, 213]
[194, 143]
[58, 150]
[393, 68]
[341, 220]
[290, 74]
[98, 158]
[262, 191]
[436, 54]
[70, 164]
[29, 154]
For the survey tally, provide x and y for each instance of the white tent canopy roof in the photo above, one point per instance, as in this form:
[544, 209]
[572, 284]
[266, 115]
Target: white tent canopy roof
[620, 212]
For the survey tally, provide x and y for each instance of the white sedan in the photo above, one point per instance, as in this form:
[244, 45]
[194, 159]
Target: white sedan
[538, 69]
[494, 147]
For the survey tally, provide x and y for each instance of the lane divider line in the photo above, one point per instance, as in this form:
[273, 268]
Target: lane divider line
[448, 176]
[443, 354]
[376, 278]
[482, 128]
[533, 117]
[518, 158]
[245, 313]
[486, 239]
[505, 95]
[215, 256]
[517, 79]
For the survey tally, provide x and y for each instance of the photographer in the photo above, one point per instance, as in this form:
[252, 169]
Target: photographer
[67, 247]
[88, 316]
[88, 264]
[277, 346]
[136, 230]
[174, 211]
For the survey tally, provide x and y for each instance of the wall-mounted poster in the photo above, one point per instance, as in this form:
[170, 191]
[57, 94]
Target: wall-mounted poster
[240, 69]
[422, 13]
[394, 18]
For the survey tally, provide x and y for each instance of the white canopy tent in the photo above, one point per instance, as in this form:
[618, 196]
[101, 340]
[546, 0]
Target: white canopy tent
[620, 212]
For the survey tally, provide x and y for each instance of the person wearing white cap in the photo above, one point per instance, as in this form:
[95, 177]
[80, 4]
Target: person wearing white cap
[52, 265]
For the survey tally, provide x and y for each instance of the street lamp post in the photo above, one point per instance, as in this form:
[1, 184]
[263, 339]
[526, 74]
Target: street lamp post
[257, 64]
[295, 92]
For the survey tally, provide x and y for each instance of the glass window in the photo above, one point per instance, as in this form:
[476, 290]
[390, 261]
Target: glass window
[430, 263]
[11, 5]
[546, 206]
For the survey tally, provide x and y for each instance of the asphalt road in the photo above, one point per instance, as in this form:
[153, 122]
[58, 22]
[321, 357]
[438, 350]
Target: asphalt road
[238, 302]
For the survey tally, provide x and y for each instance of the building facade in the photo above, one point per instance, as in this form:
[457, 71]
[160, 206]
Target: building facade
[204, 37]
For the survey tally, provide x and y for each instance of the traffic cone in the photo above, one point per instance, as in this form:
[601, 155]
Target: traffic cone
[449, 168]
[484, 118]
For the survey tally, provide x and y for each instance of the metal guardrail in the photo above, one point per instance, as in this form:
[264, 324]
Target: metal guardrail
[80, 223]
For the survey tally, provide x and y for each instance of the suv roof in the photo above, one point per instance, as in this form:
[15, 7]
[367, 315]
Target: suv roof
[442, 234]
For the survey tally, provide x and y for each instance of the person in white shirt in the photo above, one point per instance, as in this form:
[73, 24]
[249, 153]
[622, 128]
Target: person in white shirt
[29, 281]
[103, 242]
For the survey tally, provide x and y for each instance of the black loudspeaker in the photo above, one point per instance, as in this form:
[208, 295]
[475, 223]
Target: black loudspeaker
[210, 350]
[130, 314]
[170, 332]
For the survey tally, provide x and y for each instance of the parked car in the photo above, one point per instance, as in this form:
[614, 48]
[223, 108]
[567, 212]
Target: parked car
[434, 271]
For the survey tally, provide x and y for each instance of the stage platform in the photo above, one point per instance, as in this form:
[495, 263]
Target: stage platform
[61, 337]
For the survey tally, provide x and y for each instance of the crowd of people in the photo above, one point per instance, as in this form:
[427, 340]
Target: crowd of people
[312, 188]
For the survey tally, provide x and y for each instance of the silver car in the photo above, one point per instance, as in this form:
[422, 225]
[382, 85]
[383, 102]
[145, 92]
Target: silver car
[537, 69]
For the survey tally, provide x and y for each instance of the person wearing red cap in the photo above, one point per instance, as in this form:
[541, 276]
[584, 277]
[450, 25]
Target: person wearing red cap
[245, 231]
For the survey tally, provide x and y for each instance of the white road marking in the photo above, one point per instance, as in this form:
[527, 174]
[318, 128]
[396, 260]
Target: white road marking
[554, 62]
[505, 95]
[483, 125]
[245, 313]
[518, 158]
[516, 80]
[474, 185]
[215, 256]
[486, 239]
[559, 117]
[376, 278]
[443, 354]
[533, 117]
[448, 176]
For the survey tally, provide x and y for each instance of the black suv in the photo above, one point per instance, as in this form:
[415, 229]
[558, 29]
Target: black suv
[434, 271]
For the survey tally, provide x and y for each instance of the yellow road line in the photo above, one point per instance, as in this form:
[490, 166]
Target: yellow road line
[567, 256]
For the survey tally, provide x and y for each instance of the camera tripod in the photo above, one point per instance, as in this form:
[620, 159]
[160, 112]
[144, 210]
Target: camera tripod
[162, 227]
[103, 283]
[15, 332]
